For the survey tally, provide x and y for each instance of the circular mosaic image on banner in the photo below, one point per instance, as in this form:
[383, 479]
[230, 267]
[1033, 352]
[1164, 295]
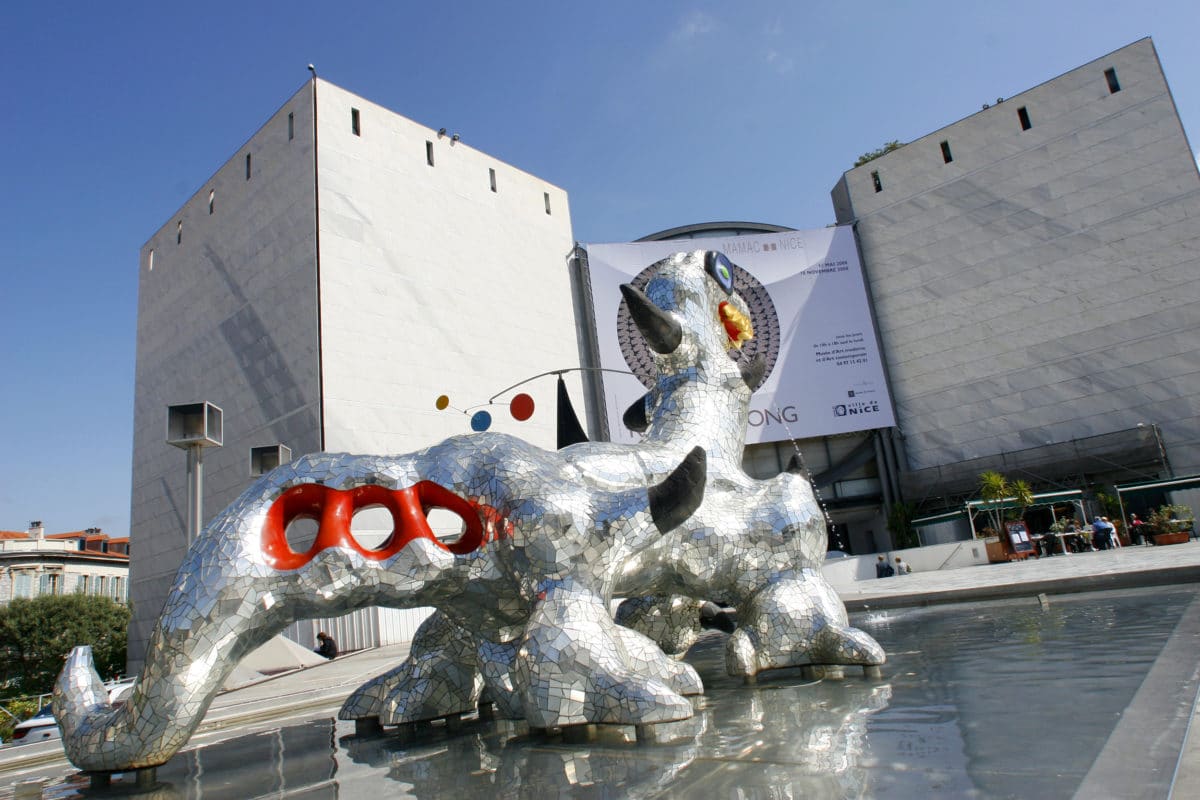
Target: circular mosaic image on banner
[640, 358]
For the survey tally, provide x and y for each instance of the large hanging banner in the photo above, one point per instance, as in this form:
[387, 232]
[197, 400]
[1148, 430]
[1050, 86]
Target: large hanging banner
[811, 320]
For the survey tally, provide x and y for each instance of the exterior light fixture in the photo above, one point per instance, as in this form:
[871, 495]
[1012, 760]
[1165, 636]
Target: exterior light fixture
[265, 459]
[193, 427]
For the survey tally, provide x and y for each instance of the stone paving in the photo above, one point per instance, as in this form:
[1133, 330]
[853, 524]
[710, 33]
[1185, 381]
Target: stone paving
[1079, 572]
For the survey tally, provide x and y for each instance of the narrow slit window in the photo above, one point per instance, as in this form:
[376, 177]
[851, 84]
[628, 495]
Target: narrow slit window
[247, 166]
[1023, 115]
[1114, 85]
[212, 200]
[946, 156]
[546, 197]
[355, 125]
[492, 178]
[291, 126]
[179, 232]
[878, 183]
[150, 262]
[429, 153]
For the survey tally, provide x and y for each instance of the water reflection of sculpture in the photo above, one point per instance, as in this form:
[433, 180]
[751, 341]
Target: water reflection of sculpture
[501, 763]
[782, 740]
[299, 759]
[522, 597]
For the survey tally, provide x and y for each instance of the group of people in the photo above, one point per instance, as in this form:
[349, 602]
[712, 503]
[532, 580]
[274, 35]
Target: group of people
[884, 569]
[1100, 535]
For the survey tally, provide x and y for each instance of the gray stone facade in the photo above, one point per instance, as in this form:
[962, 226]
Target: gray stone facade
[227, 313]
[1034, 269]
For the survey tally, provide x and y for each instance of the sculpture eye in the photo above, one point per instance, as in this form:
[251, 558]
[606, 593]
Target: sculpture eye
[720, 268]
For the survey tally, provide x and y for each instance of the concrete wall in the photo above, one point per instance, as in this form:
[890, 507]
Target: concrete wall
[226, 314]
[432, 283]
[945, 532]
[843, 573]
[1043, 284]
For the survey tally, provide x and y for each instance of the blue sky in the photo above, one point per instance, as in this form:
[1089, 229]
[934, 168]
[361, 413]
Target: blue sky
[650, 114]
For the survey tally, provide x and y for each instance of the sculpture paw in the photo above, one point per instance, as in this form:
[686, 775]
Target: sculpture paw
[634, 701]
[796, 622]
[845, 644]
[680, 676]
[576, 666]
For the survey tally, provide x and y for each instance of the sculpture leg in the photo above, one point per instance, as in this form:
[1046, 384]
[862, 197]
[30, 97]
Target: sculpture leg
[497, 661]
[438, 679]
[793, 622]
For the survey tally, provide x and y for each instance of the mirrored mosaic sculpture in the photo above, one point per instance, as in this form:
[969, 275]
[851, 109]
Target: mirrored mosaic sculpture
[522, 596]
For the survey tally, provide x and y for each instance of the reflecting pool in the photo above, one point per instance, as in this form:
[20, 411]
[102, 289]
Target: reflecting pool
[998, 699]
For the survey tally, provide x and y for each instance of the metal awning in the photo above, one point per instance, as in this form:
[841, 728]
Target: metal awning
[1168, 485]
[973, 506]
[1045, 499]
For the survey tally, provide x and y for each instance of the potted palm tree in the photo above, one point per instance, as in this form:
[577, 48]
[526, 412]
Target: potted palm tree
[997, 493]
[1170, 524]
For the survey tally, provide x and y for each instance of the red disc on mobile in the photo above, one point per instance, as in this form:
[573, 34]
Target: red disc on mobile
[521, 407]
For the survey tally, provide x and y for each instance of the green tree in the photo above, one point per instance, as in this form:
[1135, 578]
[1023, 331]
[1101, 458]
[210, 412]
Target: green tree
[36, 635]
[883, 151]
[996, 490]
[1020, 491]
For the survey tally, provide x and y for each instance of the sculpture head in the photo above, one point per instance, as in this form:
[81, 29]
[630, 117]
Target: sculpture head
[693, 320]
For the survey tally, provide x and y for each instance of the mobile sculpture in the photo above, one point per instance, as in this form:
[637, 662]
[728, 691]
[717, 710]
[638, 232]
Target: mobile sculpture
[522, 596]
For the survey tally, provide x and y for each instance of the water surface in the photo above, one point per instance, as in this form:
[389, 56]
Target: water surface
[990, 700]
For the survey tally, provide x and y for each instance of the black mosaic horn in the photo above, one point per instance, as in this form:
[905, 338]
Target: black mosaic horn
[661, 331]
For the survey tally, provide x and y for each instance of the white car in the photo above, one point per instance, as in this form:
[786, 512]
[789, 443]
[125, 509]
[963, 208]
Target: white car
[38, 728]
[42, 726]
